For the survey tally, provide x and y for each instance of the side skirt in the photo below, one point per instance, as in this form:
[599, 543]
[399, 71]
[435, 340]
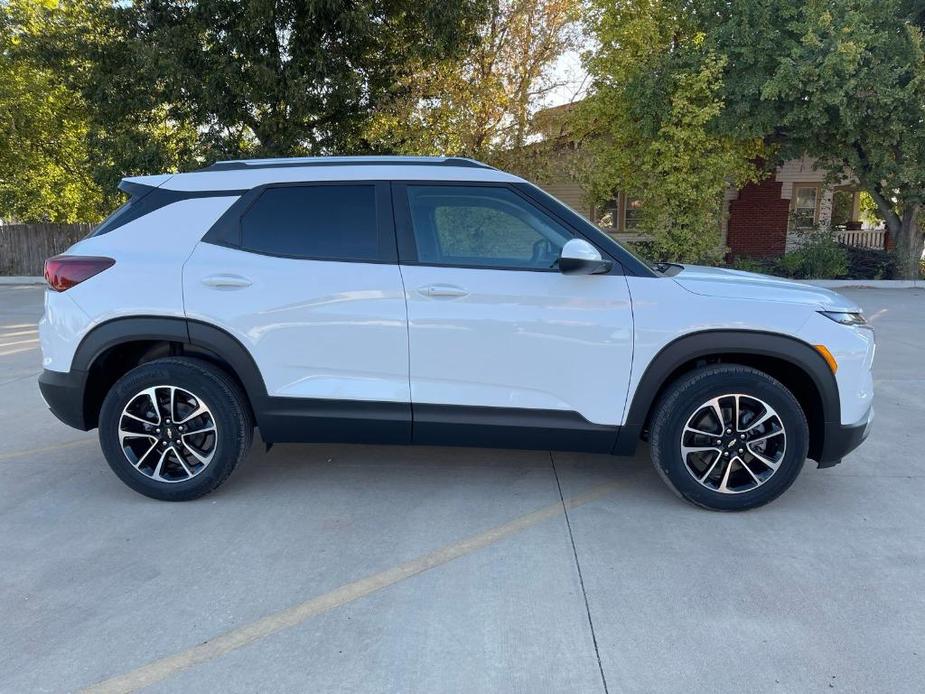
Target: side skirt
[293, 420]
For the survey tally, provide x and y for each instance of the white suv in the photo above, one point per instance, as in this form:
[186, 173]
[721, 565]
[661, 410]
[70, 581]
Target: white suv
[432, 301]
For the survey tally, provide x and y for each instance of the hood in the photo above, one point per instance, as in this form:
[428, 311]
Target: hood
[736, 284]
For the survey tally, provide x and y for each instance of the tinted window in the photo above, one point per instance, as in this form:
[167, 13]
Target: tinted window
[483, 227]
[326, 222]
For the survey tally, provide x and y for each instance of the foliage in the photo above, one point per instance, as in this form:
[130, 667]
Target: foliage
[44, 153]
[840, 80]
[868, 210]
[77, 121]
[288, 77]
[44, 172]
[870, 264]
[648, 124]
[481, 104]
[95, 90]
[820, 256]
[763, 266]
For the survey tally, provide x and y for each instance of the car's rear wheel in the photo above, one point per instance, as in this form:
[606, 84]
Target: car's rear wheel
[729, 438]
[175, 428]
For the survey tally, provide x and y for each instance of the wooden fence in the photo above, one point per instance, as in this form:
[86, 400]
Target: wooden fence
[24, 247]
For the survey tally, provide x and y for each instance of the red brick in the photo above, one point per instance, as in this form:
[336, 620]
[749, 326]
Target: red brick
[758, 221]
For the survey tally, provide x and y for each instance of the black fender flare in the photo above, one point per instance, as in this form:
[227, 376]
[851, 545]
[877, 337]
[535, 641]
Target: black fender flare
[194, 333]
[703, 344]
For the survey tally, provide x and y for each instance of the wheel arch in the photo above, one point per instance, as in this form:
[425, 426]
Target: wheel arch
[795, 363]
[112, 348]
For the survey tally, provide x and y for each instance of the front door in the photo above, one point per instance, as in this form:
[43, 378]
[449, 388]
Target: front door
[504, 349]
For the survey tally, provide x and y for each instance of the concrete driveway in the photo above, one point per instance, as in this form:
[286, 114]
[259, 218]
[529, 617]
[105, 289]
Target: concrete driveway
[387, 569]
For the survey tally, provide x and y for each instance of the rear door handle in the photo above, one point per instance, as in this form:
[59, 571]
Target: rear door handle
[448, 290]
[227, 281]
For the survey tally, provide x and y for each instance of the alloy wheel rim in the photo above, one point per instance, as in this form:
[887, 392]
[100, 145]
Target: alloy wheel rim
[733, 443]
[168, 434]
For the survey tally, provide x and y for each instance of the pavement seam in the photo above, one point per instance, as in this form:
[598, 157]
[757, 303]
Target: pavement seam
[246, 634]
[581, 580]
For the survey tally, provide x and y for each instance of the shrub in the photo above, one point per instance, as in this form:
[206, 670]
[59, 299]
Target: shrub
[764, 266]
[820, 256]
[870, 264]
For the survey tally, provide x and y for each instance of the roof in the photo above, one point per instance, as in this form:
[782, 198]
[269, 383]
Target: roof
[243, 174]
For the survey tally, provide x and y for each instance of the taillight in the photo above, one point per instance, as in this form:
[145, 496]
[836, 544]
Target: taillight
[64, 271]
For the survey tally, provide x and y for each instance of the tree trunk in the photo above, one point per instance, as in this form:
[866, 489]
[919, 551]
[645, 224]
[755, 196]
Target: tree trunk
[909, 244]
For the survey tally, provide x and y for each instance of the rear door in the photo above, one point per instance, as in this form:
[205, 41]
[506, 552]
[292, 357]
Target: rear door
[305, 276]
[504, 349]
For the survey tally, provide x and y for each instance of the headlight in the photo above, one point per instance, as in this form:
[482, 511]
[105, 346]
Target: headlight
[853, 319]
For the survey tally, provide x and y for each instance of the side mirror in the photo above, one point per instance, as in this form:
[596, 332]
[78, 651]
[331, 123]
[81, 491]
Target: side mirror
[578, 257]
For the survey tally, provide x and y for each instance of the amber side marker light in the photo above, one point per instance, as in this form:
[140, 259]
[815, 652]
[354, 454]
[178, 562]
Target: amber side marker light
[827, 355]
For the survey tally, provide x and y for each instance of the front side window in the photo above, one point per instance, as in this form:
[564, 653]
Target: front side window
[323, 222]
[482, 226]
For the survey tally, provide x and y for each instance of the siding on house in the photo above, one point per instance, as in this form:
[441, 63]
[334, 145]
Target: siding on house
[571, 194]
[756, 220]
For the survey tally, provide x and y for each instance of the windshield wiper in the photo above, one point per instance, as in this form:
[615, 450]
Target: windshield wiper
[664, 266]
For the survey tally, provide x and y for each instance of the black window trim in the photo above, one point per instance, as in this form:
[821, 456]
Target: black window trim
[227, 230]
[404, 229]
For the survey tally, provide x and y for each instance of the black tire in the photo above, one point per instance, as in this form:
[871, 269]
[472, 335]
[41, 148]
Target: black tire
[685, 397]
[226, 403]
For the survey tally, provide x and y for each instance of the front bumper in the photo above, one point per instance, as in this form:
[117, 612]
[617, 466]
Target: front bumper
[63, 392]
[840, 439]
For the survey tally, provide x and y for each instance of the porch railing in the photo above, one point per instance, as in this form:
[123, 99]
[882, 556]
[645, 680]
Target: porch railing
[864, 238]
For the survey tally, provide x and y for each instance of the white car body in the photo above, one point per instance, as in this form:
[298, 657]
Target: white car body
[422, 336]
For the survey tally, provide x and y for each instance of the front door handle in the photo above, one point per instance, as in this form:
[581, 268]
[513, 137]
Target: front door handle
[448, 290]
[225, 281]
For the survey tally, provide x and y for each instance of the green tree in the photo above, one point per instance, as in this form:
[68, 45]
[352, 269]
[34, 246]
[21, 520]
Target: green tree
[73, 119]
[287, 77]
[44, 171]
[482, 103]
[840, 80]
[648, 125]
[848, 87]
[44, 156]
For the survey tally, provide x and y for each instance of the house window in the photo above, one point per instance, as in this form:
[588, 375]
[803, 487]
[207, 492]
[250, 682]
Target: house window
[845, 209]
[608, 213]
[805, 206]
[632, 215]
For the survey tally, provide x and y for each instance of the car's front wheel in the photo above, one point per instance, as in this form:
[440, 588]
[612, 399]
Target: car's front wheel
[728, 438]
[175, 428]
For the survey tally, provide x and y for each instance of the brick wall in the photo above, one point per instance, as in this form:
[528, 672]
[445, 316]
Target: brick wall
[758, 220]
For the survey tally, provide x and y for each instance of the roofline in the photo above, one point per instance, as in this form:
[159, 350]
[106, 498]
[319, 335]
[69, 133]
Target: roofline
[247, 164]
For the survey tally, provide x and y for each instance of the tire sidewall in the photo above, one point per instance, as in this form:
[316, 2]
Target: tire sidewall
[690, 398]
[204, 386]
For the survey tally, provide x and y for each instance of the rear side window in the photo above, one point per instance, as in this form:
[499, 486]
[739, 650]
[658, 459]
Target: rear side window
[324, 222]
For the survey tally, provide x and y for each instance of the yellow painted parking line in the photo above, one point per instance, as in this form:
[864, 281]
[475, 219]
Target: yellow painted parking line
[32, 341]
[244, 635]
[19, 333]
[19, 325]
[44, 449]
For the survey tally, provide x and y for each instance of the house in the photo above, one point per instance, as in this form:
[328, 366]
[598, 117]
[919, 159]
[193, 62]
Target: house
[763, 219]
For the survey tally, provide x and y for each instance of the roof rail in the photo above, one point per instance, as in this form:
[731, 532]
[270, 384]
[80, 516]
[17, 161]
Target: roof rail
[242, 164]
